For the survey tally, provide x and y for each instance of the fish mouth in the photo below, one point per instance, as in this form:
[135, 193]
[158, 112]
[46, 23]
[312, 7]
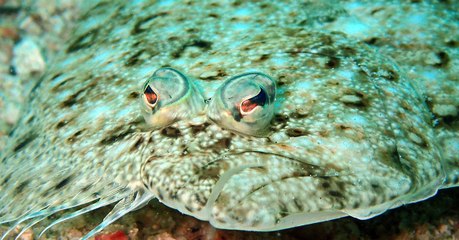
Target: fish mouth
[277, 186]
[201, 184]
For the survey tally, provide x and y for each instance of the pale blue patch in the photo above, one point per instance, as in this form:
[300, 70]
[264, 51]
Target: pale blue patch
[57, 80]
[354, 27]
[241, 27]
[346, 74]
[173, 29]
[98, 111]
[416, 19]
[243, 12]
[136, 2]
[165, 3]
[64, 94]
[71, 59]
[280, 61]
[145, 72]
[123, 113]
[431, 75]
[353, 5]
[304, 85]
[356, 120]
[103, 56]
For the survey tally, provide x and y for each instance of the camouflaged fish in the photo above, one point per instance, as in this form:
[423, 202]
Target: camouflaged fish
[229, 112]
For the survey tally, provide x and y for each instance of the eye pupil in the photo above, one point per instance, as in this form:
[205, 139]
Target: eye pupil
[249, 104]
[150, 95]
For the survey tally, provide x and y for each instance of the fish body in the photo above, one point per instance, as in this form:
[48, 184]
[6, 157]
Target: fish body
[337, 130]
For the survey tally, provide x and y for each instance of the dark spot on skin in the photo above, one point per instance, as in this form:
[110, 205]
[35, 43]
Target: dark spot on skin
[326, 40]
[391, 75]
[332, 63]
[56, 88]
[160, 195]
[6, 179]
[418, 138]
[374, 11]
[264, 57]
[74, 98]
[280, 119]
[171, 132]
[362, 101]
[86, 188]
[118, 133]
[327, 51]
[21, 187]
[62, 123]
[200, 200]
[36, 86]
[62, 183]
[9, 10]
[222, 144]
[192, 30]
[133, 95]
[139, 26]
[451, 43]
[25, 141]
[188, 208]
[12, 71]
[213, 15]
[71, 100]
[335, 194]
[173, 196]
[348, 51]
[74, 136]
[374, 41]
[204, 45]
[449, 120]
[283, 210]
[444, 59]
[356, 205]
[30, 119]
[134, 59]
[373, 201]
[137, 143]
[220, 73]
[296, 132]
[376, 187]
[184, 151]
[298, 204]
[199, 128]
[83, 41]
[325, 185]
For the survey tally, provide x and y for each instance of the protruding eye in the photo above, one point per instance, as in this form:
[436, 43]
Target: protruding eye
[168, 96]
[150, 97]
[245, 103]
[249, 105]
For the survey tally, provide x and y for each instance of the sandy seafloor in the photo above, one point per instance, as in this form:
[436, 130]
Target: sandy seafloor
[422, 37]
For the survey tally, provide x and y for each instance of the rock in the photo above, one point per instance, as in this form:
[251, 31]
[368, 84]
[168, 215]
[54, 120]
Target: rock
[444, 110]
[27, 58]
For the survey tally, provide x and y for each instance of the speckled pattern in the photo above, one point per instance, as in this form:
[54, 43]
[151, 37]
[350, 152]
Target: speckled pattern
[349, 129]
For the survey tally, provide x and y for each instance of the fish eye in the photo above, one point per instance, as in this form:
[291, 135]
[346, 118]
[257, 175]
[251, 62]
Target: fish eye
[168, 96]
[150, 97]
[249, 105]
[245, 104]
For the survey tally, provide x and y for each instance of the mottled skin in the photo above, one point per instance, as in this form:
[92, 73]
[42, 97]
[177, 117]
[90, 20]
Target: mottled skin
[349, 136]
